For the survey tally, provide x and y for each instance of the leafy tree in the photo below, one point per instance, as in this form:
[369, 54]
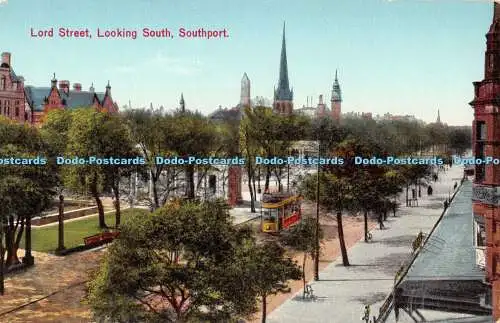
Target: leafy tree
[86, 139]
[150, 130]
[142, 280]
[460, 139]
[335, 195]
[302, 237]
[268, 271]
[192, 134]
[116, 142]
[25, 189]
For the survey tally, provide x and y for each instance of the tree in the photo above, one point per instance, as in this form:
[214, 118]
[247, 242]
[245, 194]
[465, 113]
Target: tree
[150, 130]
[302, 237]
[26, 189]
[192, 134]
[116, 142]
[143, 280]
[269, 271]
[85, 139]
[335, 195]
[460, 139]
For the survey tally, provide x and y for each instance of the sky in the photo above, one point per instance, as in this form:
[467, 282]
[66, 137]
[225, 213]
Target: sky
[401, 56]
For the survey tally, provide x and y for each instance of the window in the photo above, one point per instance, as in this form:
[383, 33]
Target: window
[271, 214]
[481, 130]
[2, 83]
[17, 111]
[480, 235]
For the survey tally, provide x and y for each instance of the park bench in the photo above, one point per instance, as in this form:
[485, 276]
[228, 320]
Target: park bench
[100, 238]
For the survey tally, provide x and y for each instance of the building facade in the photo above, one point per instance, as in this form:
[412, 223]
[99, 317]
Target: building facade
[486, 142]
[13, 103]
[31, 104]
[60, 96]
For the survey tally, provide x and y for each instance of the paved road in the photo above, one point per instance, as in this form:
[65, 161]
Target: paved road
[342, 292]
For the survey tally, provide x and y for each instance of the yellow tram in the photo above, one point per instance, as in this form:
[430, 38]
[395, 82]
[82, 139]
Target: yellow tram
[279, 211]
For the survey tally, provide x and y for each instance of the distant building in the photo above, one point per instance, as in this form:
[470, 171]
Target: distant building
[283, 95]
[182, 103]
[336, 100]
[31, 104]
[45, 99]
[13, 104]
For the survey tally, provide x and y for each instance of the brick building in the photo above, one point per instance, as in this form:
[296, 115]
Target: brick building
[12, 93]
[31, 104]
[42, 100]
[486, 142]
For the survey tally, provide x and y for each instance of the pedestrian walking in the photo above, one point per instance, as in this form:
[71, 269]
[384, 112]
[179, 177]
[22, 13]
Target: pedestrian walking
[429, 190]
[455, 186]
[445, 204]
[381, 222]
[366, 314]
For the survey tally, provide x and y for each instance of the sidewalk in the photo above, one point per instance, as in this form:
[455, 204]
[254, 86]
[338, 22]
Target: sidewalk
[342, 292]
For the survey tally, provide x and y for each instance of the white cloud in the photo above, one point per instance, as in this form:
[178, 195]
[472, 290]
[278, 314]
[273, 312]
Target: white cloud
[3, 2]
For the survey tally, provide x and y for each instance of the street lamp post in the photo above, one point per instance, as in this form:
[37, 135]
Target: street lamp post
[28, 258]
[316, 253]
[288, 174]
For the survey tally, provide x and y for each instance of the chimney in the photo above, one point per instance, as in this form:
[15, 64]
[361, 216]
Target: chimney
[77, 87]
[321, 99]
[64, 86]
[6, 59]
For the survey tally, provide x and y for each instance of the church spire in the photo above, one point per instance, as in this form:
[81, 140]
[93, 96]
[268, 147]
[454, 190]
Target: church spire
[283, 92]
[182, 103]
[438, 118]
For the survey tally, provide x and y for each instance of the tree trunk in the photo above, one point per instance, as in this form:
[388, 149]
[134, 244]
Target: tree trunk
[12, 241]
[60, 219]
[365, 215]
[2, 255]
[304, 275]
[190, 182]
[156, 199]
[268, 176]
[385, 214]
[264, 308]
[252, 193]
[278, 179]
[116, 191]
[343, 249]
[100, 208]
[407, 195]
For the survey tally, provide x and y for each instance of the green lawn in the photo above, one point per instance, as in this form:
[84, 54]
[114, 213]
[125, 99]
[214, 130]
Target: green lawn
[45, 239]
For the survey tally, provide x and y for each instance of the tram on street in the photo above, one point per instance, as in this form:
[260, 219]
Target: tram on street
[279, 211]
